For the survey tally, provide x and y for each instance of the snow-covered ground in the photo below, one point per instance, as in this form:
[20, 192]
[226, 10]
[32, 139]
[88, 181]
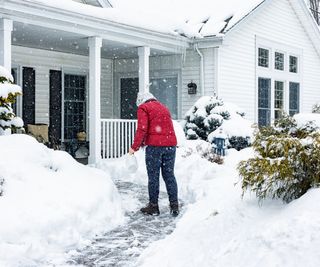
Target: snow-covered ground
[50, 203]
[222, 229]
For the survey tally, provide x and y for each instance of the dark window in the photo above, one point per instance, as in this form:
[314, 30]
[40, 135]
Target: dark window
[279, 61]
[263, 58]
[74, 105]
[264, 101]
[293, 64]
[294, 98]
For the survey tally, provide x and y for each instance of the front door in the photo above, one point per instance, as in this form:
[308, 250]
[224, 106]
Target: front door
[129, 90]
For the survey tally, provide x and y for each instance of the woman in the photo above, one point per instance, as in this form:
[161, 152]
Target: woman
[155, 129]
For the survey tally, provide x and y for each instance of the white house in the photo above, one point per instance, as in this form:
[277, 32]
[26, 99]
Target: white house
[82, 64]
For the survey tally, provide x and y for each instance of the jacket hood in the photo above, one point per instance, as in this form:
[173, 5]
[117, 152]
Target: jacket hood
[144, 97]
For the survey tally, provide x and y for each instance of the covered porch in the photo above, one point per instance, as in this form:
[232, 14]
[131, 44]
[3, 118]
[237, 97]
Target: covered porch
[83, 72]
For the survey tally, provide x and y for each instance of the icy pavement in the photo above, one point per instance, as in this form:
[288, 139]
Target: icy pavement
[123, 245]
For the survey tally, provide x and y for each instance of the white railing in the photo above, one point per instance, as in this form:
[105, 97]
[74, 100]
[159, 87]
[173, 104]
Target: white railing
[116, 137]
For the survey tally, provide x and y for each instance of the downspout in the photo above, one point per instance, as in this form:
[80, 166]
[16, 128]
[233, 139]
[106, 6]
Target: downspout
[201, 69]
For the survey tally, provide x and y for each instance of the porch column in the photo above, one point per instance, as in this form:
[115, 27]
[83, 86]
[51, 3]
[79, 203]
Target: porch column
[5, 43]
[95, 44]
[144, 53]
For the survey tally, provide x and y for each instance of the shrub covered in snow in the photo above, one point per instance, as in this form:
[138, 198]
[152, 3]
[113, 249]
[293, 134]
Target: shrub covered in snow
[210, 117]
[287, 161]
[8, 94]
[316, 108]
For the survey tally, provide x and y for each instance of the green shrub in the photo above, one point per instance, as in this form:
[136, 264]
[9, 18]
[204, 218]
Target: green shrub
[287, 161]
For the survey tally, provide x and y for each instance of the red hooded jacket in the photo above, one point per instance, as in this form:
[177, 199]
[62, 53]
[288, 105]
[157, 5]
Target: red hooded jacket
[155, 127]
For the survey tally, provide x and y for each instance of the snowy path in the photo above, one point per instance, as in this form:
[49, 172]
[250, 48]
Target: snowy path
[123, 245]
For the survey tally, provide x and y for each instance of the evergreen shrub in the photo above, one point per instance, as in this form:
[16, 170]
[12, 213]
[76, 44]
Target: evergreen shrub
[287, 161]
[8, 93]
[210, 117]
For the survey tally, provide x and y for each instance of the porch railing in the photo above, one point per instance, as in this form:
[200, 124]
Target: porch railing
[116, 137]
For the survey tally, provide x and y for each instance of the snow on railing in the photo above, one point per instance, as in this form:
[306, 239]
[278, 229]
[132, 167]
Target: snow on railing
[116, 137]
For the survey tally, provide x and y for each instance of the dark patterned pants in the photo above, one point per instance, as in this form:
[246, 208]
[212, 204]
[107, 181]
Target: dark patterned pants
[163, 158]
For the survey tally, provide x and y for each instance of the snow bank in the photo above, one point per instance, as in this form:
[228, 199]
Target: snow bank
[304, 118]
[221, 229]
[50, 202]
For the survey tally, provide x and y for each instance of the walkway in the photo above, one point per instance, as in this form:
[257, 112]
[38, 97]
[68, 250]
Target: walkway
[122, 246]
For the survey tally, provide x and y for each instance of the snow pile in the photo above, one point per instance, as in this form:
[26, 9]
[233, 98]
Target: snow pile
[221, 229]
[305, 118]
[192, 19]
[236, 125]
[5, 73]
[50, 203]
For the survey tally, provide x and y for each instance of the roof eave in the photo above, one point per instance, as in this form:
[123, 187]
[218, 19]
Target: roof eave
[56, 18]
[208, 42]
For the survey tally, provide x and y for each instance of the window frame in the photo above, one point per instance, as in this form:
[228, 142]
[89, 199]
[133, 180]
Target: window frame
[297, 64]
[277, 109]
[284, 61]
[268, 59]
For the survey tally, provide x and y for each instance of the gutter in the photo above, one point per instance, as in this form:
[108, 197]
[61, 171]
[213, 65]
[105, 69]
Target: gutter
[201, 69]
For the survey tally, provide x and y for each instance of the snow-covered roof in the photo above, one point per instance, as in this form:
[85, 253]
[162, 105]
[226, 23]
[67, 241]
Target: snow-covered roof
[98, 3]
[189, 18]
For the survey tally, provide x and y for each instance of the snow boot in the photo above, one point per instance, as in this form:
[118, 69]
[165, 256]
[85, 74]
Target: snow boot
[151, 209]
[174, 209]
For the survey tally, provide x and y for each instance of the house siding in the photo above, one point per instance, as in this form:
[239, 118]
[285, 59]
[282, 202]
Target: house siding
[43, 61]
[275, 21]
[191, 72]
[160, 66]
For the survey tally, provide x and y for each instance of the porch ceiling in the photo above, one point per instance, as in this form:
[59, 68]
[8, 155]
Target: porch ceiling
[68, 24]
[56, 40]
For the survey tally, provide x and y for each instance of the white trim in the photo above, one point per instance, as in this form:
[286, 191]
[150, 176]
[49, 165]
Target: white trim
[144, 68]
[6, 26]
[95, 44]
[216, 54]
[18, 81]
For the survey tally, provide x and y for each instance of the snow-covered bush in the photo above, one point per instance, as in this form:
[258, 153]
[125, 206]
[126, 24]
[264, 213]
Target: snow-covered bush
[8, 94]
[287, 161]
[204, 149]
[316, 108]
[210, 117]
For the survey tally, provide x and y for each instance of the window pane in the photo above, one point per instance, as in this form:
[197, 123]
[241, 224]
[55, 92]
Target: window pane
[278, 98]
[263, 58]
[264, 101]
[165, 90]
[279, 61]
[293, 64]
[74, 106]
[294, 98]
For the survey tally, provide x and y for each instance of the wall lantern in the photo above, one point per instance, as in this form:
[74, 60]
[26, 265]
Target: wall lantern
[192, 88]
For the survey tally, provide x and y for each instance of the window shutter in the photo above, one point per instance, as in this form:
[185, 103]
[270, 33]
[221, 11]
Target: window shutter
[29, 95]
[55, 107]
